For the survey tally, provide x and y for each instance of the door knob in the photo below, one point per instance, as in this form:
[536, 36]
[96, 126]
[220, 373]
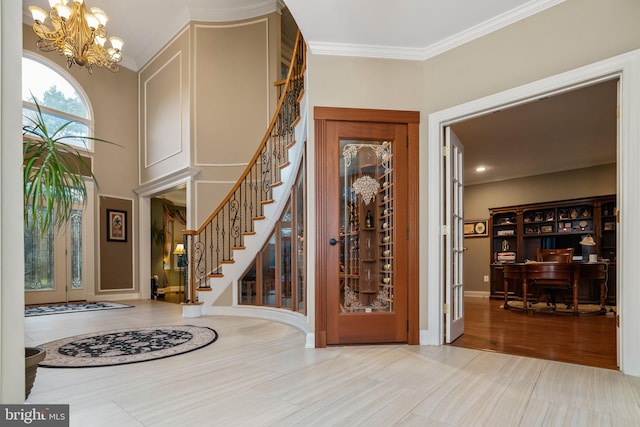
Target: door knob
[333, 241]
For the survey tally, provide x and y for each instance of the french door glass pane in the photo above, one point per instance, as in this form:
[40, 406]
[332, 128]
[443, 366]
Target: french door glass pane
[285, 258]
[300, 231]
[38, 257]
[269, 272]
[76, 249]
[366, 226]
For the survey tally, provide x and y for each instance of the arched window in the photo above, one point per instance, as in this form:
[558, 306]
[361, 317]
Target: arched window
[60, 99]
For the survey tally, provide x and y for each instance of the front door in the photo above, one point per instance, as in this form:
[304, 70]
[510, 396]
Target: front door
[54, 261]
[367, 232]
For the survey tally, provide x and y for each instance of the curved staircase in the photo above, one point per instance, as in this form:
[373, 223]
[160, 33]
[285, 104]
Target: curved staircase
[225, 245]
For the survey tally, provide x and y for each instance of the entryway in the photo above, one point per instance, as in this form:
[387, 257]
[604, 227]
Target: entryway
[57, 268]
[618, 67]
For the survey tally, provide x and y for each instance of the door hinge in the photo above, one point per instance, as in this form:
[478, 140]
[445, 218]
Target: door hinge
[445, 230]
[618, 320]
[407, 325]
[407, 141]
[445, 151]
[445, 309]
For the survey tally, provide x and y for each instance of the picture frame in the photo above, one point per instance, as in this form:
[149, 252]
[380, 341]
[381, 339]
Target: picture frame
[476, 228]
[116, 225]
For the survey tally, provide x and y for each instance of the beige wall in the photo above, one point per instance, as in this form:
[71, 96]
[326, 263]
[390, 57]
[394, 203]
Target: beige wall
[564, 37]
[206, 101]
[113, 97]
[478, 199]
[164, 91]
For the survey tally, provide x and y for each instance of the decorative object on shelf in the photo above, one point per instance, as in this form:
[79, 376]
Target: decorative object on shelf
[475, 228]
[76, 34]
[368, 221]
[367, 187]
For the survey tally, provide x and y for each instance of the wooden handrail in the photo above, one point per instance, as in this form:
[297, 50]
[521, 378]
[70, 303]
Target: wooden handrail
[212, 244]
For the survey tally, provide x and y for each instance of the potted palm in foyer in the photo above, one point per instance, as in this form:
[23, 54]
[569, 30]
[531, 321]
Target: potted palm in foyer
[54, 175]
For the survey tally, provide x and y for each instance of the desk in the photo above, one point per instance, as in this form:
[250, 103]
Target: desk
[530, 273]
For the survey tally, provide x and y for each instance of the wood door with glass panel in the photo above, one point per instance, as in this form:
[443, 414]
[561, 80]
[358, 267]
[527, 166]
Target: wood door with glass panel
[367, 286]
[54, 261]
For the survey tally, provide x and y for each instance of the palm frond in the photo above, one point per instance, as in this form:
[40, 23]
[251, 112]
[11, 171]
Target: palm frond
[53, 174]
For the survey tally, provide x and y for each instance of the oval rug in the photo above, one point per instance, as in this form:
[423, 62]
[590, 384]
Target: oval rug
[122, 346]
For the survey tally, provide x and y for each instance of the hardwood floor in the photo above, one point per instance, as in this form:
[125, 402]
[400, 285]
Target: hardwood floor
[258, 373]
[584, 340]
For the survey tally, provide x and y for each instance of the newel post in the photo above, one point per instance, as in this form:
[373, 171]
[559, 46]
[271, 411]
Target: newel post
[192, 305]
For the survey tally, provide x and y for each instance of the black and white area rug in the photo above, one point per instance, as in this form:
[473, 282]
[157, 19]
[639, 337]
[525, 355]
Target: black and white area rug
[41, 310]
[124, 346]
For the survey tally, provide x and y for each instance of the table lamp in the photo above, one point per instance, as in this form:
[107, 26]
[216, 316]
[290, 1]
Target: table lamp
[588, 249]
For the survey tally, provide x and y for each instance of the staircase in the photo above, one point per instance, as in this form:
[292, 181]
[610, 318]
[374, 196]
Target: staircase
[226, 244]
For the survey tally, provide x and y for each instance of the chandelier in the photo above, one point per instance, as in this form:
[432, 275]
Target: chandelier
[77, 34]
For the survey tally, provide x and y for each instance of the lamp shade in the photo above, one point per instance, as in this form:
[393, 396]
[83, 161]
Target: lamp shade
[179, 249]
[588, 241]
[39, 15]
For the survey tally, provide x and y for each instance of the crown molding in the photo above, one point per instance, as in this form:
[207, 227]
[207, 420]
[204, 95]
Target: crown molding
[420, 54]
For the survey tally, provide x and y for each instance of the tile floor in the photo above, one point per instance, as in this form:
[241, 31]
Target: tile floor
[258, 373]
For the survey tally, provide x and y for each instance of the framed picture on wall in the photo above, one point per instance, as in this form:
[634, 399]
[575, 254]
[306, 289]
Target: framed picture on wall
[475, 228]
[116, 225]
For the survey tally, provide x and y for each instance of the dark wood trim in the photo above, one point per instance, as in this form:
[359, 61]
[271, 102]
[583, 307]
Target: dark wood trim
[365, 115]
[322, 115]
[321, 246]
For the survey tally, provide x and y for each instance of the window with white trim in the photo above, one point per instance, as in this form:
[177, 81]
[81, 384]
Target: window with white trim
[60, 100]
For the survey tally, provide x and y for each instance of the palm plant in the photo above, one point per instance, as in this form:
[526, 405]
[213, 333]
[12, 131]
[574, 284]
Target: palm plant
[54, 173]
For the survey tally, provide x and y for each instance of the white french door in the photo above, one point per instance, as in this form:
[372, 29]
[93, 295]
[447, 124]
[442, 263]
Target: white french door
[55, 262]
[454, 240]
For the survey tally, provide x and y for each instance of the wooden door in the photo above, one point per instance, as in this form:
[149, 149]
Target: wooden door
[367, 254]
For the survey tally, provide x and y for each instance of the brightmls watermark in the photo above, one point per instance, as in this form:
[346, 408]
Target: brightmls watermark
[34, 415]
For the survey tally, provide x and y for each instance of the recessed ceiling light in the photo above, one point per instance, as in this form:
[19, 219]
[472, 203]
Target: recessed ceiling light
[481, 169]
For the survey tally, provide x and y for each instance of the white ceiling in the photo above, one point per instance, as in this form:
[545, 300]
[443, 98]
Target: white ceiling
[568, 131]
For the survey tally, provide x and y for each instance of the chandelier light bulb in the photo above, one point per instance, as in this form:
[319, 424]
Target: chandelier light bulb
[39, 15]
[99, 13]
[92, 21]
[64, 12]
[116, 43]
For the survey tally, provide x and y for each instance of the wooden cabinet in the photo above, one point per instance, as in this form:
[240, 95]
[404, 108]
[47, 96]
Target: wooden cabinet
[518, 231]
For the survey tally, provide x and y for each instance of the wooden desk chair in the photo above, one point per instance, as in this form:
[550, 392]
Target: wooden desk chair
[555, 255]
[552, 287]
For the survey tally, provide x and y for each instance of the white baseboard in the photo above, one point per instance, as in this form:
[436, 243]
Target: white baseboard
[477, 294]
